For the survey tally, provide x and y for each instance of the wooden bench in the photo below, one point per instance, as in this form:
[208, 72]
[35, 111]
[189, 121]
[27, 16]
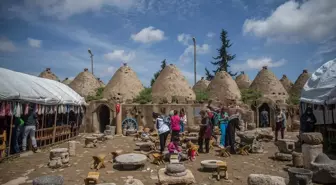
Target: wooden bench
[92, 178]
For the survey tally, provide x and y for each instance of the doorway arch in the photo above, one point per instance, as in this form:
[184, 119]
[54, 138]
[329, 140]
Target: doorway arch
[103, 117]
[265, 107]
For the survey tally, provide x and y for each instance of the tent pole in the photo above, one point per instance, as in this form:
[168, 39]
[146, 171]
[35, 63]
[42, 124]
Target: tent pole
[10, 134]
[54, 132]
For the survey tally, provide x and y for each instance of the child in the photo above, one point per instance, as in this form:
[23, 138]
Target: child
[183, 120]
[223, 119]
[173, 146]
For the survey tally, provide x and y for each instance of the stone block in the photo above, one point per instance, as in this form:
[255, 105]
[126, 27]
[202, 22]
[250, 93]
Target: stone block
[310, 152]
[261, 179]
[283, 156]
[300, 176]
[286, 146]
[324, 169]
[312, 138]
[72, 148]
[165, 179]
[297, 159]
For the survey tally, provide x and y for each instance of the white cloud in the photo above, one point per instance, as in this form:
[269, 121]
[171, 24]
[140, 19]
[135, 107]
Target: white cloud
[188, 52]
[63, 9]
[6, 45]
[119, 55]
[294, 21]
[34, 43]
[210, 34]
[257, 64]
[148, 35]
[325, 51]
[184, 38]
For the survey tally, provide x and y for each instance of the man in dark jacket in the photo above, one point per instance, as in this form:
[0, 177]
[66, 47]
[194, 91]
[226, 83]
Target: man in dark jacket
[30, 129]
[234, 120]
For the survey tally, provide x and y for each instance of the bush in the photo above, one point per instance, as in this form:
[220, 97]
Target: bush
[248, 96]
[98, 96]
[145, 96]
[202, 96]
[293, 100]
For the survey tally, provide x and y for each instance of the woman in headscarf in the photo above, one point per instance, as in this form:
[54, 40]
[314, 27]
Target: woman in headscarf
[307, 121]
[233, 125]
[204, 133]
[223, 119]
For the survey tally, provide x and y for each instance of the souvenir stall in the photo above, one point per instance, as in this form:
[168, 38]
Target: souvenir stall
[59, 110]
[319, 93]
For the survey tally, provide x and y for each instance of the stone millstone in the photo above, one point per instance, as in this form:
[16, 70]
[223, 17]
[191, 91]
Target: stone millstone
[324, 169]
[312, 138]
[181, 174]
[131, 159]
[49, 179]
[132, 181]
[210, 164]
[175, 168]
[283, 157]
[261, 179]
[299, 176]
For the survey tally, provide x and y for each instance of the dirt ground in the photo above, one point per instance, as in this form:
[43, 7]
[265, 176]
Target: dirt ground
[25, 169]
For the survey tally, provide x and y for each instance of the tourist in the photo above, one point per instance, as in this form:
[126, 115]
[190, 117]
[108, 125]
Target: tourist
[29, 129]
[233, 125]
[223, 119]
[264, 118]
[19, 127]
[163, 130]
[307, 121]
[205, 133]
[213, 116]
[175, 125]
[183, 120]
[280, 124]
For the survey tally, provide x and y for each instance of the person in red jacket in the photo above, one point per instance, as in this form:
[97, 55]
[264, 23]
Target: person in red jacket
[175, 125]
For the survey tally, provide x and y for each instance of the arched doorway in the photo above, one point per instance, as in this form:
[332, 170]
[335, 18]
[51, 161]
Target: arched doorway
[103, 117]
[264, 110]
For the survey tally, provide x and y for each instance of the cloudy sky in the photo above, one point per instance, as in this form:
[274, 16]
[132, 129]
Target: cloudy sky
[288, 36]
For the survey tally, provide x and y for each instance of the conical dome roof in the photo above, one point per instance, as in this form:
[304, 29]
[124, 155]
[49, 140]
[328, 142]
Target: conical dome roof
[101, 82]
[49, 75]
[171, 86]
[268, 84]
[85, 84]
[286, 83]
[299, 83]
[201, 85]
[243, 81]
[124, 85]
[223, 88]
[66, 81]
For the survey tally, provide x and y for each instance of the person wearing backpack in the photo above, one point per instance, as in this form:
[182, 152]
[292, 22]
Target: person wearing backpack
[163, 130]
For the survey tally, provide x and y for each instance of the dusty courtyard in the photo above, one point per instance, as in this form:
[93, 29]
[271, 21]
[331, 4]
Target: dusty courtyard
[24, 169]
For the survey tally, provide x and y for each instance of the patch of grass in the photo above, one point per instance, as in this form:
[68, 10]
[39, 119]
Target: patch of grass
[201, 96]
[248, 96]
[98, 96]
[293, 99]
[145, 96]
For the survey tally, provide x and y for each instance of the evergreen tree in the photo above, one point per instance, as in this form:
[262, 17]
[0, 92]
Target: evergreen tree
[222, 60]
[156, 75]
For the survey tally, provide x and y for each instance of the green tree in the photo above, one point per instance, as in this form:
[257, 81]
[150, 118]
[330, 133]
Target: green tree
[156, 75]
[222, 60]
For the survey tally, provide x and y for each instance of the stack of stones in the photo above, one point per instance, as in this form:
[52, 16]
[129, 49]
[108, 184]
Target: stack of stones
[59, 157]
[311, 148]
[176, 170]
[90, 142]
[285, 147]
[109, 130]
[72, 148]
[324, 169]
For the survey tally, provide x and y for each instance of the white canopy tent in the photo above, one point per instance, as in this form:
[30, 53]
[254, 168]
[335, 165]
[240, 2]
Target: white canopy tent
[320, 89]
[24, 87]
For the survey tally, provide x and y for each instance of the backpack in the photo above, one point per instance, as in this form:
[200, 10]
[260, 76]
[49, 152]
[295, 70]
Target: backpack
[166, 120]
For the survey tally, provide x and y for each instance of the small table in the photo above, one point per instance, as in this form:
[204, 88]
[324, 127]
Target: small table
[92, 178]
[222, 167]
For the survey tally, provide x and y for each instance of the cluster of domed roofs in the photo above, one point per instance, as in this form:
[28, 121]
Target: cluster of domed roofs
[172, 86]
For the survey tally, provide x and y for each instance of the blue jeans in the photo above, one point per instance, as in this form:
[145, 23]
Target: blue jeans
[29, 130]
[181, 127]
[223, 127]
[18, 132]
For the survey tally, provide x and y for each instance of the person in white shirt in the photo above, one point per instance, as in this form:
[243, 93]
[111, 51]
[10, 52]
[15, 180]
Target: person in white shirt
[280, 123]
[183, 120]
[163, 130]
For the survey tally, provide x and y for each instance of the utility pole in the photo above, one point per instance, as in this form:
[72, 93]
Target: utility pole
[91, 56]
[194, 40]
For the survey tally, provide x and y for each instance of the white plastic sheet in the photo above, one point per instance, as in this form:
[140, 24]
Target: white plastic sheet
[321, 86]
[21, 86]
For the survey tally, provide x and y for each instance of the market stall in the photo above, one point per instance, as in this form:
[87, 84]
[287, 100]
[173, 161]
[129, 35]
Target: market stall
[319, 92]
[58, 107]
